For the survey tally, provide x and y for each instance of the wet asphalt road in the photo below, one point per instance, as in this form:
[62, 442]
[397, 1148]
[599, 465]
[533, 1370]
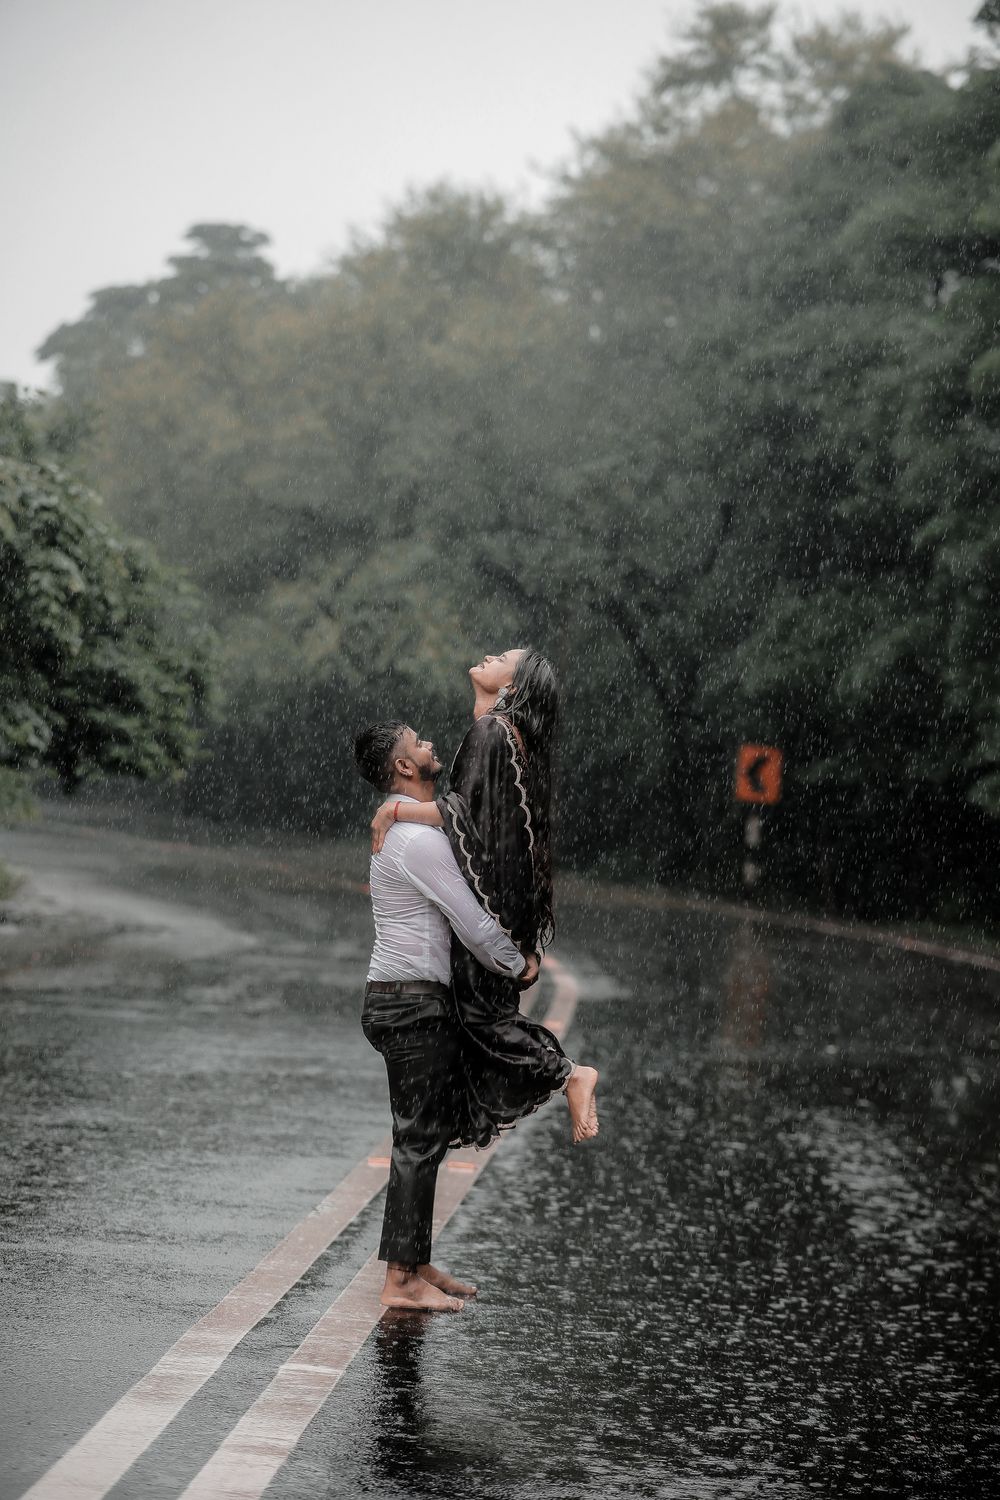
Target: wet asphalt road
[774, 1274]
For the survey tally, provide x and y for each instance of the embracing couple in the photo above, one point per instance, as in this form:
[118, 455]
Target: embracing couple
[461, 889]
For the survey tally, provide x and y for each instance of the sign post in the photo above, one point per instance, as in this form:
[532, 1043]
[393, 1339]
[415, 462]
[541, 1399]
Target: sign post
[758, 784]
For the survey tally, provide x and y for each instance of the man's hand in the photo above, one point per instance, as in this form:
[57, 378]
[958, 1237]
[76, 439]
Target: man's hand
[381, 823]
[529, 973]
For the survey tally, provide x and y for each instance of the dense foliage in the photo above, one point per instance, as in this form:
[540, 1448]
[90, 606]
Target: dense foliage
[718, 430]
[101, 666]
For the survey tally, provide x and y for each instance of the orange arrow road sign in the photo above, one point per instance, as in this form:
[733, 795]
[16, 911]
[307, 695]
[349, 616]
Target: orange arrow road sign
[758, 774]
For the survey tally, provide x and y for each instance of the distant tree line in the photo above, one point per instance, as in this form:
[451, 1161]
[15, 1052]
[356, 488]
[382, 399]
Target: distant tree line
[718, 430]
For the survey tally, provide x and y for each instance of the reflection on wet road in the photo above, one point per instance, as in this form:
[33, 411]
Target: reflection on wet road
[775, 1273]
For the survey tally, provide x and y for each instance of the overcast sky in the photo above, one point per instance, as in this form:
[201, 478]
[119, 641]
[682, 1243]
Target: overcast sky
[125, 121]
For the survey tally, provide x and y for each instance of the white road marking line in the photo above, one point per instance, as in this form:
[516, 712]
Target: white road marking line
[99, 1459]
[263, 1439]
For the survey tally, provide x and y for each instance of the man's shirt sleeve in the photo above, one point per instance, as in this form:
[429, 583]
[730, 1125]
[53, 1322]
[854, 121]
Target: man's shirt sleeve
[429, 863]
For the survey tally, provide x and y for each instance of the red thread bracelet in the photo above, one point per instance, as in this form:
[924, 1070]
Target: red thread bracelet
[395, 811]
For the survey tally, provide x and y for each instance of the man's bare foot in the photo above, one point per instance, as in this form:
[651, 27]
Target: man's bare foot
[581, 1098]
[405, 1289]
[446, 1283]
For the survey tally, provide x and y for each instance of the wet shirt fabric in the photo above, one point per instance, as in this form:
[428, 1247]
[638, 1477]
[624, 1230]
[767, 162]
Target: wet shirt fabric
[419, 897]
[512, 1064]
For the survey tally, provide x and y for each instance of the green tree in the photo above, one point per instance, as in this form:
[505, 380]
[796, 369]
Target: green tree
[102, 658]
[113, 335]
[716, 428]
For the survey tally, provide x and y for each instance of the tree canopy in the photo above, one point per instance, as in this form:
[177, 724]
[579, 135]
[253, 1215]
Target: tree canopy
[717, 429]
[102, 657]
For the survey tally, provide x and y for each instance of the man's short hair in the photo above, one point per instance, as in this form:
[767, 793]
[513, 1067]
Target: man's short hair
[373, 752]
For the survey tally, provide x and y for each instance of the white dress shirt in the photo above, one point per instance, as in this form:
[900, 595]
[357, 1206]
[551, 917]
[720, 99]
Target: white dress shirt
[418, 894]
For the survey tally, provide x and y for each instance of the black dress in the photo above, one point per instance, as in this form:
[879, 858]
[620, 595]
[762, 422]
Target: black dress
[512, 1064]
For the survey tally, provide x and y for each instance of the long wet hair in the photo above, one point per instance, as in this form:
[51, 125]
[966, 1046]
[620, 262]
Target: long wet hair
[531, 703]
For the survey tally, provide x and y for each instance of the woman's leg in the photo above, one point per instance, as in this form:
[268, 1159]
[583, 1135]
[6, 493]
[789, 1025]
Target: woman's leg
[513, 1064]
[580, 1089]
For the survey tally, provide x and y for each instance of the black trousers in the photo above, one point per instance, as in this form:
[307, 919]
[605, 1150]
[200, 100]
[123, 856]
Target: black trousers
[421, 1047]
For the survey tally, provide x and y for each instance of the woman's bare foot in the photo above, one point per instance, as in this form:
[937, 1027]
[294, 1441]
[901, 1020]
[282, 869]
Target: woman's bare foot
[580, 1096]
[405, 1289]
[446, 1283]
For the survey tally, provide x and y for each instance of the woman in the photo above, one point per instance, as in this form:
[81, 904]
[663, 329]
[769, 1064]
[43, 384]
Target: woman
[496, 816]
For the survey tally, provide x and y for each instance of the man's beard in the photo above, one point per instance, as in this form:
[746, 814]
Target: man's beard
[429, 773]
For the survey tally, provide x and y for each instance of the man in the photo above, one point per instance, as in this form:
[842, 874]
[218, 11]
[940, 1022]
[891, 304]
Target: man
[418, 894]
